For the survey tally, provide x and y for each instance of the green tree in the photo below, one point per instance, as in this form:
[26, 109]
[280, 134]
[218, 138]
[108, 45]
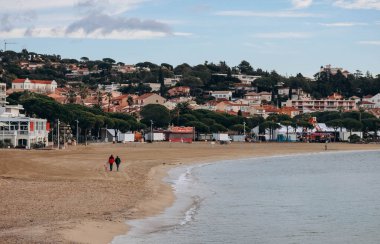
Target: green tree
[335, 124]
[287, 124]
[372, 124]
[272, 126]
[199, 126]
[352, 124]
[239, 128]
[159, 114]
[245, 67]
[215, 128]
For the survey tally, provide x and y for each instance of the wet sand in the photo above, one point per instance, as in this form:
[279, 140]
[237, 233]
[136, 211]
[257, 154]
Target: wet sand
[67, 196]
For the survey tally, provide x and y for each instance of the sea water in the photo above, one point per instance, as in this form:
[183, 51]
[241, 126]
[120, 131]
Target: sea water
[314, 198]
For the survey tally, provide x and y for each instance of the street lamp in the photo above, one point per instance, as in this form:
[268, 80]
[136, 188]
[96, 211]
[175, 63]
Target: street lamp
[77, 131]
[151, 130]
[58, 133]
[244, 128]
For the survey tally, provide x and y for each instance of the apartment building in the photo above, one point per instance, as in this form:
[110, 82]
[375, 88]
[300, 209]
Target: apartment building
[321, 105]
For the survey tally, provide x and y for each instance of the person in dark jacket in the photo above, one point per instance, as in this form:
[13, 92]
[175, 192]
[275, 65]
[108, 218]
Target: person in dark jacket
[111, 160]
[117, 161]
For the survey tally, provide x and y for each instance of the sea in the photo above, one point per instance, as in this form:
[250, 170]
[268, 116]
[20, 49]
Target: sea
[328, 197]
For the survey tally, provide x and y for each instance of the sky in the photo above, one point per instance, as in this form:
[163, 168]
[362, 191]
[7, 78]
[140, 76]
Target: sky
[289, 36]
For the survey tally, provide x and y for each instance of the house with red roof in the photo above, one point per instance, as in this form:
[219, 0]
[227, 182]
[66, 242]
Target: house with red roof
[373, 99]
[150, 98]
[39, 86]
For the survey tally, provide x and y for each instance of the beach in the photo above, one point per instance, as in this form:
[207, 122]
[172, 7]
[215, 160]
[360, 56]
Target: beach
[67, 195]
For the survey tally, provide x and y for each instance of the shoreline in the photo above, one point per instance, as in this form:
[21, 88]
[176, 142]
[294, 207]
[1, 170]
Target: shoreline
[140, 184]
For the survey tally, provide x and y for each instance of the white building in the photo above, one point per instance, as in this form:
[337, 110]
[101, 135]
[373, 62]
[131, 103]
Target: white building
[19, 130]
[246, 79]
[172, 81]
[259, 97]
[39, 86]
[222, 94]
[306, 106]
[109, 88]
[373, 99]
[334, 70]
[3, 94]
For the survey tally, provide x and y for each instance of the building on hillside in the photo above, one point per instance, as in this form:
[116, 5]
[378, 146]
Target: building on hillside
[172, 81]
[227, 107]
[366, 105]
[77, 72]
[209, 105]
[306, 106]
[335, 96]
[125, 69]
[150, 98]
[109, 88]
[179, 91]
[333, 70]
[124, 100]
[242, 88]
[39, 86]
[292, 112]
[297, 94]
[3, 94]
[19, 130]
[222, 95]
[258, 97]
[154, 86]
[373, 99]
[246, 79]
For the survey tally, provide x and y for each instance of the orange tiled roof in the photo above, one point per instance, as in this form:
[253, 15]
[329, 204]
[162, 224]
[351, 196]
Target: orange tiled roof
[144, 96]
[33, 81]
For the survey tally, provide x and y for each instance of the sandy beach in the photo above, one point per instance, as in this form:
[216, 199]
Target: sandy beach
[67, 196]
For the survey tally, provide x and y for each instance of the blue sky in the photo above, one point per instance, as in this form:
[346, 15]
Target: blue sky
[290, 36]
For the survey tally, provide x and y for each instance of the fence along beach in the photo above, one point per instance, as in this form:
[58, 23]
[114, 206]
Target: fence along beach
[66, 195]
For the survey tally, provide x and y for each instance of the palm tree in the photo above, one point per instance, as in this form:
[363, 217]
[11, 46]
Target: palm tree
[83, 92]
[99, 98]
[71, 96]
[272, 126]
[109, 96]
[288, 124]
[130, 103]
[335, 124]
[352, 124]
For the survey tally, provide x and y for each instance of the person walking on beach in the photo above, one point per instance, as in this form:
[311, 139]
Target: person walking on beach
[111, 160]
[117, 161]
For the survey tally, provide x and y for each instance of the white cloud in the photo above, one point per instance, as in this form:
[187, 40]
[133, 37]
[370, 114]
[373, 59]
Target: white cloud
[185, 34]
[99, 19]
[377, 43]
[276, 14]
[358, 4]
[298, 4]
[21, 5]
[97, 34]
[109, 6]
[343, 24]
[284, 35]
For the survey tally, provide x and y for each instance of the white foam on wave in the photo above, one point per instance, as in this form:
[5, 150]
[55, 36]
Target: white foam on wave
[181, 213]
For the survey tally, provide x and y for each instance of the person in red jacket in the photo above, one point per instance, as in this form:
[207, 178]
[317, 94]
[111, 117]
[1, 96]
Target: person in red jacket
[111, 160]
